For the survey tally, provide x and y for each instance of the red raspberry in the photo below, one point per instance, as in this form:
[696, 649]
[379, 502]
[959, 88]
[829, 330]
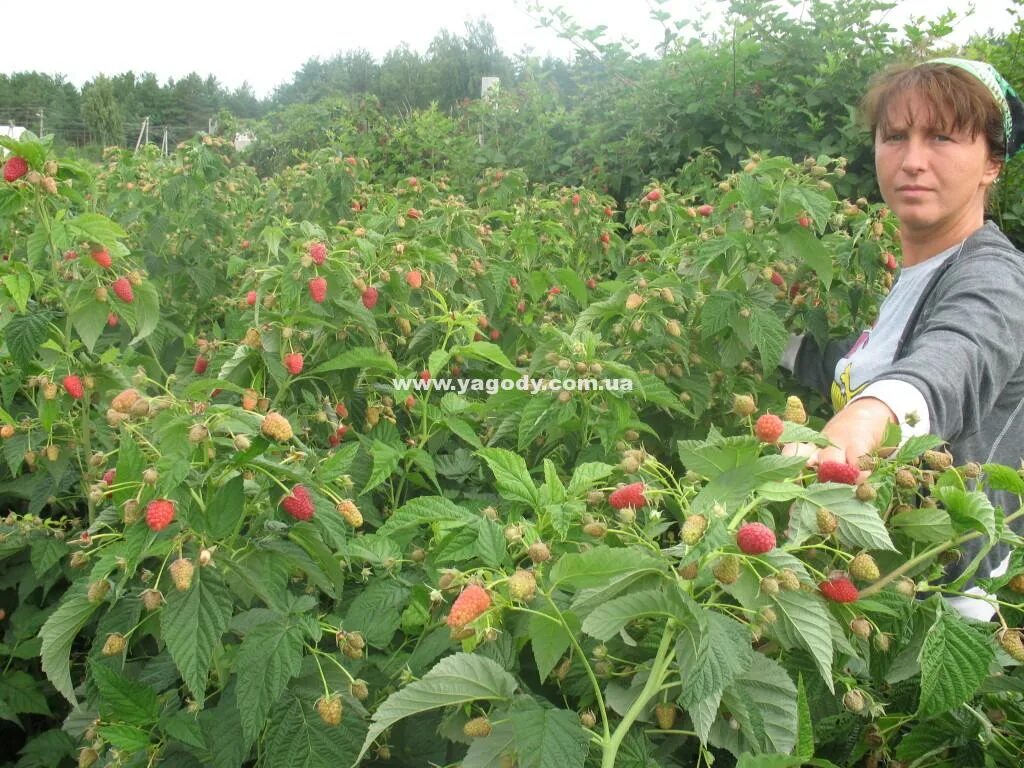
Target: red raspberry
[73, 386]
[768, 428]
[298, 504]
[631, 495]
[839, 589]
[414, 213]
[318, 253]
[108, 476]
[123, 290]
[424, 375]
[200, 365]
[318, 289]
[653, 196]
[112, 320]
[414, 278]
[755, 538]
[837, 472]
[473, 601]
[250, 298]
[159, 514]
[370, 296]
[293, 361]
[15, 168]
[102, 257]
[778, 280]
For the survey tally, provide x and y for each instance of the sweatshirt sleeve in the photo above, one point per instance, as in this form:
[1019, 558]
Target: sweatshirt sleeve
[967, 343]
[816, 367]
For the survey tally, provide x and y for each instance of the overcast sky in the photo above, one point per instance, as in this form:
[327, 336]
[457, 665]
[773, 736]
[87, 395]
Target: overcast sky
[265, 44]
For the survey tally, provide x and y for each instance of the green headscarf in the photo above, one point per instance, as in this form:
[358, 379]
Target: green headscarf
[1006, 97]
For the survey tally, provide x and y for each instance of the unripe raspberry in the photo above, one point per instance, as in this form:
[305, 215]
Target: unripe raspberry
[937, 460]
[124, 400]
[588, 719]
[788, 580]
[539, 552]
[152, 599]
[853, 700]
[905, 479]
[359, 690]
[1016, 584]
[665, 714]
[906, 587]
[114, 644]
[350, 512]
[197, 433]
[513, 533]
[794, 410]
[522, 586]
[972, 470]
[630, 465]
[276, 427]
[330, 710]
[827, 521]
[181, 571]
[1010, 640]
[476, 728]
[87, 757]
[595, 529]
[98, 591]
[743, 405]
[130, 512]
[205, 557]
[634, 301]
[727, 569]
[864, 568]
[689, 571]
[866, 492]
[770, 585]
[861, 627]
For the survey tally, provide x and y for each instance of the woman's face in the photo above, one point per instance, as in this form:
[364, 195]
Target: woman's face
[934, 180]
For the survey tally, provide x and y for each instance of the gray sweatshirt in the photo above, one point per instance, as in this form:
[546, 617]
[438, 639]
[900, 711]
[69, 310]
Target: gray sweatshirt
[963, 349]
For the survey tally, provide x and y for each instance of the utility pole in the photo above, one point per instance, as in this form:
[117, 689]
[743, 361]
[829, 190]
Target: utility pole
[164, 145]
[40, 116]
[143, 131]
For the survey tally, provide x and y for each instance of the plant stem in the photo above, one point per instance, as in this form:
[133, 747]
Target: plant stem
[662, 660]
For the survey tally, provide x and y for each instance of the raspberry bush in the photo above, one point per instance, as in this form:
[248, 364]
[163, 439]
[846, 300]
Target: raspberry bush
[279, 556]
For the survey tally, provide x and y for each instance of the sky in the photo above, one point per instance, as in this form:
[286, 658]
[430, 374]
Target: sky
[264, 44]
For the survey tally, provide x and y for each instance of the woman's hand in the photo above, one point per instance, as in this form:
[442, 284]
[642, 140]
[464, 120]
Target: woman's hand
[855, 431]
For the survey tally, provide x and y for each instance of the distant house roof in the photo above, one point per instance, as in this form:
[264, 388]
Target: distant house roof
[12, 131]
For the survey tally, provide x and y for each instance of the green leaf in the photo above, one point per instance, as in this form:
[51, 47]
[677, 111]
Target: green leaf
[122, 699]
[800, 245]
[1000, 478]
[915, 446]
[96, 228]
[803, 621]
[769, 336]
[606, 620]
[224, 511]
[45, 552]
[485, 350]
[192, 623]
[424, 510]
[337, 464]
[512, 476]
[297, 737]
[59, 632]
[713, 459]
[927, 525]
[22, 693]
[860, 526]
[598, 566]
[547, 737]
[129, 738]
[270, 656]
[553, 487]
[362, 358]
[377, 612]
[386, 459]
[458, 679]
[805, 726]
[764, 702]
[585, 475]
[89, 319]
[954, 662]
[968, 510]
[146, 311]
[712, 651]
[24, 335]
[550, 639]
[19, 286]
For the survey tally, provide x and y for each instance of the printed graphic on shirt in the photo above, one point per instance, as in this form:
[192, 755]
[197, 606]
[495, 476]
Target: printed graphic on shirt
[842, 389]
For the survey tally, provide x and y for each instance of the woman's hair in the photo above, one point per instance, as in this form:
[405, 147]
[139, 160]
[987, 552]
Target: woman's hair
[957, 101]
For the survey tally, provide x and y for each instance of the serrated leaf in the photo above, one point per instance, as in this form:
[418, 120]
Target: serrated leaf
[424, 510]
[96, 228]
[927, 525]
[712, 651]
[485, 350]
[803, 621]
[377, 612]
[192, 623]
[585, 475]
[361, 358]
[915, 446]
[1000, 478]
[550, 639]
[732, 487]
[122, 699]
[59, 632]
[270, 656]
[712, 459]
[512, 476]
[547, 737]
[598, 566]
[89, 319]
[386, 459]
[224, 511]
[24, 335]
[337, 464]
[968, 510]
[805, 725]
[860, 526]
[954, 662]
[22, 693]
[769, 336]
[45, 552]
[146, 311]
[800, 245]
[129, 738]
[764, 702]
[297, 737]
[606, 620]
[457, 679]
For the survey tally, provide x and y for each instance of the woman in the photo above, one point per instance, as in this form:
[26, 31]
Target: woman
[946, 355]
